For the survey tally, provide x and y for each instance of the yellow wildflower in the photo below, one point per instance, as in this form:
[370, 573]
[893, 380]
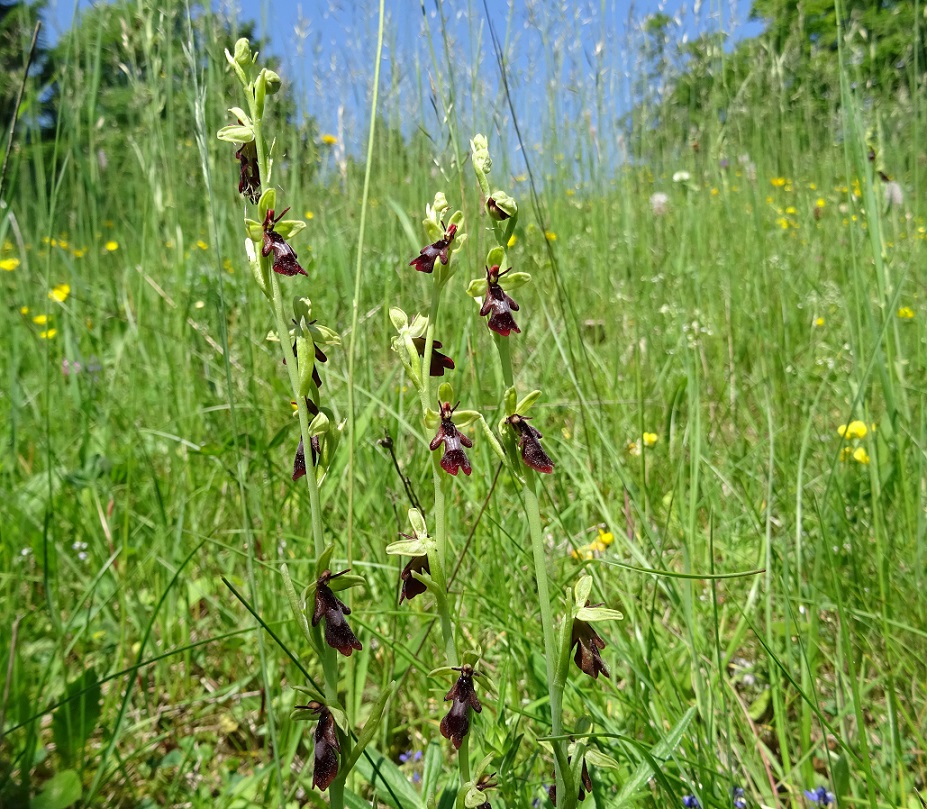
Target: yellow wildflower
[791, 210]
[819, 322]
[550, 235]
[777, 182]
[855, 429]
[48, 334]
[60, 293]
[584, 552]
[309, 215]
[650, 439]
[861, 456]
[329, 140]
[40, 320]
[821, 202]
[906, 313]
[606, 537]
[512, 239]
[9, 264]
[24, 310]
[111, 246]
[202, 245]
[813, 186]
[714, 192]
[782, 222]
[80, 252]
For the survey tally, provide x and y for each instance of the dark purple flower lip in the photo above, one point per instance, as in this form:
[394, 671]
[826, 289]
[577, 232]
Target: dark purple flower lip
[327, 746]
[588, 643]
[338, 633]
[412, 587]
[285, 262]
[495, 211]
[299, 461]
[456, 723]
[439, 362]
[454, 458]
[498, 304]
[249, 181]
[425, 261]
[529, 442]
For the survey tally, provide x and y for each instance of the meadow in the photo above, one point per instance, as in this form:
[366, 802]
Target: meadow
[725, 319]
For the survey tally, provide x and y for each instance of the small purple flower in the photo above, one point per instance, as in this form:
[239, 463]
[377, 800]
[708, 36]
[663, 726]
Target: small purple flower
[327, 746]
[691, 802]
[285, 262]
[588, 643]
[69, 367]
[456, 723]
[529, 442]
[425, 261]
[454, 458]
[338, 633]
[498, 304]
[820, 796]
[412, 587]
[738, 798]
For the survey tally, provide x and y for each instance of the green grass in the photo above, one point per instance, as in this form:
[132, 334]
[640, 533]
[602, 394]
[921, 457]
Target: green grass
[172, 463]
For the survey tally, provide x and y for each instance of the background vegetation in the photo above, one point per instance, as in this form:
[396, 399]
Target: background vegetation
[772, 292]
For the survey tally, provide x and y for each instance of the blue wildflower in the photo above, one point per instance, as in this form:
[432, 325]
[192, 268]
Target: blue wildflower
[738, 799]
[820, 796]
[691, 802]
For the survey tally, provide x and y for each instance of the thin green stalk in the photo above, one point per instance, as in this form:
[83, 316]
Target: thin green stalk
[329, 656]
[539, 554]
[358, 275]
[438, 561]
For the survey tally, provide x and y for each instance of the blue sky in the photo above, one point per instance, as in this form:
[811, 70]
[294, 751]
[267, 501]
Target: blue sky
[571, 61]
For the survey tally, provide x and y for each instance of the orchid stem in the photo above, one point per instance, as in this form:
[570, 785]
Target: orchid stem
[329, 658]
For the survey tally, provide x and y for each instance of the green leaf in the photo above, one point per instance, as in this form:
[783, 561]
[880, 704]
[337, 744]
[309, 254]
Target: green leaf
[288, 228]
[841, 770]
[391, 785]
[267, 202]
[408, 547]
[61, 791]
[593, 614]
[76, 719]
[324, 561]
[417, 521]
[299, 610]
[581, 591]
[659, 751]
[476, 288]
[496, 257]
[346, 581]
[241, 115]
[432, 769]
[527, 402]
[514, 280]
[370, 726]
[236, 133]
